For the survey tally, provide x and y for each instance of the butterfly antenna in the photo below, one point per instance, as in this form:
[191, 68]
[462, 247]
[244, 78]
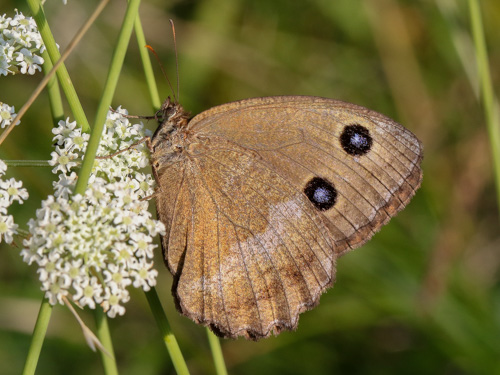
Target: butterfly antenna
[176, 57]
[162, 70]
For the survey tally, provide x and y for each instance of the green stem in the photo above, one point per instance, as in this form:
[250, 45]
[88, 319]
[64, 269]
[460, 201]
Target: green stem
[45, 311]
[109, 89]
[146, 63]
[55, 100]
[104, 336]
[38, 337]
[166, 332]
[220, 366]
[62, 74]
[27, 163]
[490, 104]
[95, 137]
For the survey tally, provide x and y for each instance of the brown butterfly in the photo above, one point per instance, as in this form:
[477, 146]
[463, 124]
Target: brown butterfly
[259, 198]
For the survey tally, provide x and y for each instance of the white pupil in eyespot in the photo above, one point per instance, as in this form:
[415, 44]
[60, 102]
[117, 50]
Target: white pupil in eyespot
[322, 195]
[358, 140]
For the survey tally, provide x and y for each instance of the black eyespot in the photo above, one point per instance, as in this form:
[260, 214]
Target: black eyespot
[321, 193]
[356, 140]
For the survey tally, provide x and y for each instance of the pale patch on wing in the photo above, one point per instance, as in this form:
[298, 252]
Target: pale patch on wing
[276, 225]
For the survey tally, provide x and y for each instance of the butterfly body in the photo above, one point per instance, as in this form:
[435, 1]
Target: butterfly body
[260, 197]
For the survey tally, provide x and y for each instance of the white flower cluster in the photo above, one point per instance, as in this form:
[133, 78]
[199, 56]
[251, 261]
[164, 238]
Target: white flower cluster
[20, 45]
[10, 191]
[118, 135]
[92, 247]
[7, 115]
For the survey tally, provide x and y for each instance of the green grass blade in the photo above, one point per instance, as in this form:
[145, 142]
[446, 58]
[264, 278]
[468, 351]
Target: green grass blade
[488, 100]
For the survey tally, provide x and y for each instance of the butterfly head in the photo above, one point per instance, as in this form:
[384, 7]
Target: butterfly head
[171, 112]
[171, 116]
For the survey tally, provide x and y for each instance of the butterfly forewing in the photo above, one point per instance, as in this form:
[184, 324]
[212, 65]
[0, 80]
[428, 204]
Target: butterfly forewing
[300, 137]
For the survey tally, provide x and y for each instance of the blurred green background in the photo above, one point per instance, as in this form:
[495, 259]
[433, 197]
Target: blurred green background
[423, 297]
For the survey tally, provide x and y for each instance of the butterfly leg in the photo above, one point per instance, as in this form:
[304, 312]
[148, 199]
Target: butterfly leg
[155, 117]
[142, 140]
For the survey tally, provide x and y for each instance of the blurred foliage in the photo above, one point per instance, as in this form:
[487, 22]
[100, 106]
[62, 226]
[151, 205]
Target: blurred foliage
[422, 297]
